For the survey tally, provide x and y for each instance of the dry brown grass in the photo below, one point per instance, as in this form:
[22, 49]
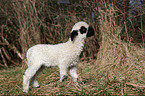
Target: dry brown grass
[91, 82]
[120, 61]
[11, 82]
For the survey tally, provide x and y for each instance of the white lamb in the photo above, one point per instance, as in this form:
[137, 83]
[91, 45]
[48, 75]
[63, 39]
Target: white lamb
[64, 55]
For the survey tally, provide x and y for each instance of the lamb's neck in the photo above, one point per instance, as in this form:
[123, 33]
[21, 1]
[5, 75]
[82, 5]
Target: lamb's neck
[78, 45]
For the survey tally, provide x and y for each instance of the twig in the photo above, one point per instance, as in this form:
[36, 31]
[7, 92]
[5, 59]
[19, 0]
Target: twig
[4, 61]
[2, 65]
[135, 85]
[8, 57]
[3, 44]
[142, 28]
[12, 47]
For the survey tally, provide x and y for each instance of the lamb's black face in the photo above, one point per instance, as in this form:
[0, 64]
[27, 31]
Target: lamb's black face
[82, 29]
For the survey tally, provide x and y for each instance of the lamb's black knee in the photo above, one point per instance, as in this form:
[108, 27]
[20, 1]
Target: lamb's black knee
[64, 77]
[38, 87]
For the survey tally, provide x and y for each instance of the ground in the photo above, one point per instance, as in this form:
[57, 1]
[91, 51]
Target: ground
[90, 82]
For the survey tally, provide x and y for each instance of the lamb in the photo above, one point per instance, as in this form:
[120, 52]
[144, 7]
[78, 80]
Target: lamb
[64, 55]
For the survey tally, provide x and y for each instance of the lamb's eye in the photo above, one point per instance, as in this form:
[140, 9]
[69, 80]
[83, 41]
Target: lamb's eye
[83, 29]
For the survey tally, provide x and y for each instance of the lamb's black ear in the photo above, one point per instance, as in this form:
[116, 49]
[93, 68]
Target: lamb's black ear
[74, 33]
[90, 32]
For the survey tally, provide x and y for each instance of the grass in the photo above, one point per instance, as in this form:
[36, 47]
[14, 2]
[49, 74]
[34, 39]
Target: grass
[91, 82]
[11, 82]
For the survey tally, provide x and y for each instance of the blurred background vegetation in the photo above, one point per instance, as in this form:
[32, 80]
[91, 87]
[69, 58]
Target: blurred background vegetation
[24, 23]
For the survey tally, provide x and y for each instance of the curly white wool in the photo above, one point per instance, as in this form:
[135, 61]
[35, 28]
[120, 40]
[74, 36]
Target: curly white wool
[64, 55]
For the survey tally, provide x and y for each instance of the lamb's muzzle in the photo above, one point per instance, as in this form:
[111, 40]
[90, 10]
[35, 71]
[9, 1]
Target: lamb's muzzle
[64, 55]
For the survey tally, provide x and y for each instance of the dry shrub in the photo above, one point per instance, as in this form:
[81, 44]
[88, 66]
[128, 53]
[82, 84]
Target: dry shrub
[117, 60]
[30, 22]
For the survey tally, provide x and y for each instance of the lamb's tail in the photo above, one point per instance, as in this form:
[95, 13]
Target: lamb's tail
[28, 56]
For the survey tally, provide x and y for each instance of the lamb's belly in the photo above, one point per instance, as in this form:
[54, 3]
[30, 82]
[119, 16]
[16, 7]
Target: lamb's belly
[50, 61]
[50, 64]
[57, 59]
[70, 62]
[56, 62]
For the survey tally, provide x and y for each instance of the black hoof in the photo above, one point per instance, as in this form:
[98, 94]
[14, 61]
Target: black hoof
[38, 87]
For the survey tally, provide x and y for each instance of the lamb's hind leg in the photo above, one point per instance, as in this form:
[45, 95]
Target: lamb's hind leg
[34, 78]
[63, 72]
[73, 73]
[30, 72]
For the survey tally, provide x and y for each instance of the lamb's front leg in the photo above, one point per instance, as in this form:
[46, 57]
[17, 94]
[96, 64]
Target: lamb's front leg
[63, 72]
[34, 80]
[73, 73]
[30, 72]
